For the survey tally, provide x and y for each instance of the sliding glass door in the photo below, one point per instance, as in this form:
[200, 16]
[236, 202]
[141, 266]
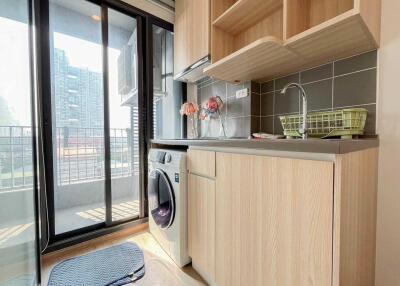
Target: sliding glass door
[94, 105]
[77, 101]
[123, 108]
[18, 224]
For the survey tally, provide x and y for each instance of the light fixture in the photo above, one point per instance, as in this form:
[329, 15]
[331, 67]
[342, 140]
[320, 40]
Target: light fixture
[96, 17]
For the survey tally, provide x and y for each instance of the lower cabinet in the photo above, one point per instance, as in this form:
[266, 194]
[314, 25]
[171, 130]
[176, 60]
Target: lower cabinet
[273, 221]
[201, 219]
[278, 221]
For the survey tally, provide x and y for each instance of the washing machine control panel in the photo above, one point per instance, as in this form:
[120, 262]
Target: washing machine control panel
[160, 157]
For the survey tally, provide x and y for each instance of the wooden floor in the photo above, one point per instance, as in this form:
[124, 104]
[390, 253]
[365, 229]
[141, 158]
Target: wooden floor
[160, 269]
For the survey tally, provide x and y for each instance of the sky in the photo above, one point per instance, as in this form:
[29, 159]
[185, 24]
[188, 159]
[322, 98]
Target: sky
[14, 69]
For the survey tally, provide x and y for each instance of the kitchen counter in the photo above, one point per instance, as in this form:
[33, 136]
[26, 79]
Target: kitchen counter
[326, 146]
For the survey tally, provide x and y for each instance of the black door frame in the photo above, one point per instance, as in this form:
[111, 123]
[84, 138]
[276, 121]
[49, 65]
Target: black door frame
[145, 23]
[148, 104]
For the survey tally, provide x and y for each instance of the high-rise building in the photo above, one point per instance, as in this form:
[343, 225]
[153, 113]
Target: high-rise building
[78, 94]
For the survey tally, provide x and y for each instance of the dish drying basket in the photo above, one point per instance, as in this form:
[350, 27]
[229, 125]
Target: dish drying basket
[346, 123]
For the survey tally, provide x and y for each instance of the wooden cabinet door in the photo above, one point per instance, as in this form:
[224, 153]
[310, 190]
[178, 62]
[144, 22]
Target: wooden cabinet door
[191, 33]
[273, 221]
[201, 162]
[201, 220]
[238, 221]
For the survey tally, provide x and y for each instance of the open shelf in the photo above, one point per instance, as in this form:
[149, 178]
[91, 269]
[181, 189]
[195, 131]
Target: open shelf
[300, 34]
[306, 14]
[264, 57]
[245, 13]
[342, 36]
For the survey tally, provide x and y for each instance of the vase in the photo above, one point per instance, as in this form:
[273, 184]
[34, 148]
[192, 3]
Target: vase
[194, 127]
[222, 132]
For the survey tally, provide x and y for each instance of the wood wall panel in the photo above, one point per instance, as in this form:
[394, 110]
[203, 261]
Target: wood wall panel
[355, 218]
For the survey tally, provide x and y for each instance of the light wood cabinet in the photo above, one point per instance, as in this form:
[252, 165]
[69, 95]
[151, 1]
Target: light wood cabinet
[273, 221]
[201, 162]
[191, 33]
[268, 220]
[201, 211]
[263, 39]
[201, 219]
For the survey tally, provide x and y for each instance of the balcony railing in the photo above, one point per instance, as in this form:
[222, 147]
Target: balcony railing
[78, 155]
[15, 157]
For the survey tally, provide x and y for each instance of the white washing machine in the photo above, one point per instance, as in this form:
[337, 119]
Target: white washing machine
[167, 196]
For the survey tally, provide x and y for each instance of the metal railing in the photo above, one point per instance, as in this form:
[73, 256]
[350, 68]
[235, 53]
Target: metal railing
[78, 155]
[15, 157]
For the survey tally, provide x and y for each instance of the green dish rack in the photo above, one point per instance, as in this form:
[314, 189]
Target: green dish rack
[344, 123]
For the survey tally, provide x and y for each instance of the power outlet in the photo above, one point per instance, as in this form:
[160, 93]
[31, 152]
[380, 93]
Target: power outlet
[242, 93]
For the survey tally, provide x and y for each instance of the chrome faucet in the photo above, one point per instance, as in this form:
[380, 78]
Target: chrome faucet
[303, 130]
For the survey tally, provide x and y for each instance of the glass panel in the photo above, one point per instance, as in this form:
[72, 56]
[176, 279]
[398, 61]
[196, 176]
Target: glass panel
[124, 115]
[78, 123]
[167, 93]
[17, 221]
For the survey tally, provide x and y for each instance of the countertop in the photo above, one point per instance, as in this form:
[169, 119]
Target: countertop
[326, 146]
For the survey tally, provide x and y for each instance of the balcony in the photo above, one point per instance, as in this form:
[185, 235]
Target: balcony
[78, 176]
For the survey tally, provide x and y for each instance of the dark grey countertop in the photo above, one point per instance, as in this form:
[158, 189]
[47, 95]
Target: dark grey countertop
[327, 146]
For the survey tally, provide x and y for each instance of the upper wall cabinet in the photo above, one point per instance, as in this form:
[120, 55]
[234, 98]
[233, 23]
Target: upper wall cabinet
[262, 39]
[192, 33]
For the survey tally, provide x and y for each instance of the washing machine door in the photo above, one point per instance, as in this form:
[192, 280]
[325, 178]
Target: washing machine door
[161, 198]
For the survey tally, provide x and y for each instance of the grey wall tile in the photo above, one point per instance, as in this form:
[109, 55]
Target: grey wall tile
[219, 89]
[267, 86]
[206, 93]
[319, 94]
[255, 104]
[267, 124]
[281, 82]
[255, 124]
[355, 89]
[238, 106]
[356, 63]
[210, 128]
[288, 103]
[255, 87]
[267, 103]
[238, 127]
[232, 88]
[318, 73]
[278, 130]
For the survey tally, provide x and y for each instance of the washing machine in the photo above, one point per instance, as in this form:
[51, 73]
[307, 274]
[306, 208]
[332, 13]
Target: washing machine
[167, 197]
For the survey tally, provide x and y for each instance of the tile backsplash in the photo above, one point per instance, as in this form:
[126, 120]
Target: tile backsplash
[241, 116]
[345, 83]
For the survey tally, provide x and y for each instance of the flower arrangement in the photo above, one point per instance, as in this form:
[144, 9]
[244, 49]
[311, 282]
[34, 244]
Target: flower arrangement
[213, 107]
[190, 109]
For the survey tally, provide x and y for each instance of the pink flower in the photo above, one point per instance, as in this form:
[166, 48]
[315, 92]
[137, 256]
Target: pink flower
[189, 108]
[214, 104]
[203, 114]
